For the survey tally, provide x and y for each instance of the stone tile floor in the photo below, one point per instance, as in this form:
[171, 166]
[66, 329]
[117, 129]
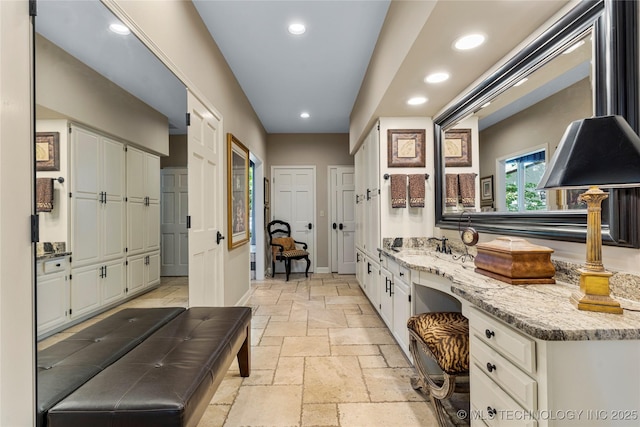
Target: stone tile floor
[321, 356]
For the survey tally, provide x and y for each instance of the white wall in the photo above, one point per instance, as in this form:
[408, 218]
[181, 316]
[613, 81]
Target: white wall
[408, 222]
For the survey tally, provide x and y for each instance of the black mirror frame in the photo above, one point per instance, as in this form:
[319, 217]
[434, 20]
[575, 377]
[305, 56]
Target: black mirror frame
[616, 92]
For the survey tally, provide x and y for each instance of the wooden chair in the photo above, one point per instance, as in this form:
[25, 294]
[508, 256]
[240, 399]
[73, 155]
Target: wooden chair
[283, 247]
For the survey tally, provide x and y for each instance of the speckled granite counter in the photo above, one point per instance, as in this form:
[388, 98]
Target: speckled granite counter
[541, 311]
[52, 255]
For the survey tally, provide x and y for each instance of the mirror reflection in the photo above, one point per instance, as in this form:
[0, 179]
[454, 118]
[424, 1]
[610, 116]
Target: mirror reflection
[498, 153]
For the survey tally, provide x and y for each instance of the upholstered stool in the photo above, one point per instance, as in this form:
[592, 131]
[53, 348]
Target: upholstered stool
[444, 338]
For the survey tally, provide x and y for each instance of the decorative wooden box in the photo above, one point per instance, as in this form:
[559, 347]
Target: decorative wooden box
[515, 261]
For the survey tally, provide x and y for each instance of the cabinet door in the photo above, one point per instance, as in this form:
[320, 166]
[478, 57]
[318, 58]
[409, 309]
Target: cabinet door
[135, 175]
[85, 228]
[85, 290]
[53, 301]
[152, 177]
[135, 226]
[152, 227]
[401, 313]
[373, 282]
[85, 161]
[113, 283]
[135, 274]
[113, 169]
[386, 298]
[113, 228]
[153, 269]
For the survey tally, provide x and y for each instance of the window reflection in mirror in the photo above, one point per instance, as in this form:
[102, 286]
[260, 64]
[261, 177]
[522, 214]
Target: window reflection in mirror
[514, 135]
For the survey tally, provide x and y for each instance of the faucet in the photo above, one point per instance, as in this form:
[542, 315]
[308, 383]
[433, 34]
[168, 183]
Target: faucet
[442, 247]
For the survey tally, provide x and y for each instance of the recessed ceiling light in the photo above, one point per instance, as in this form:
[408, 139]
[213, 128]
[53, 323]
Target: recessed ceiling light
[297, 29]
[305, 115]
[436, 77]
[521, 82]
[469, 42]
[574, 47]
[120, 29]
[417, 100]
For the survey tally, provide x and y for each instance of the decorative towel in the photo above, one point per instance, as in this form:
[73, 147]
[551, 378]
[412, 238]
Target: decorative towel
[468, 189]
[416, 190]
[398, 191]
[44, 194]
[451, 190]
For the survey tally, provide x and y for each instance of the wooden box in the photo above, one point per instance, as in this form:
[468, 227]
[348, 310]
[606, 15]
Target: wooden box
[515, 261]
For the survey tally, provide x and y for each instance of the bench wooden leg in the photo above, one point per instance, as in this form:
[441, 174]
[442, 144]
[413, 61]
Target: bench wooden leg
[244, 355]
[306, 272]
[287, 267]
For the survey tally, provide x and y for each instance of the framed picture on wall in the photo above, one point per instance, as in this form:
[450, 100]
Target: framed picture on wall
[47, 151]
[406, 148]
[237, 192]
[486, 191]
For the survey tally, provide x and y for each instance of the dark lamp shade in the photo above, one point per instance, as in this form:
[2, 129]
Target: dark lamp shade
[601, 151]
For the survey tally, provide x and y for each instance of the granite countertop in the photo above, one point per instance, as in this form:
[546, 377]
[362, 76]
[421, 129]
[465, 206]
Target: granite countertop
[541, 311]
[51, 255]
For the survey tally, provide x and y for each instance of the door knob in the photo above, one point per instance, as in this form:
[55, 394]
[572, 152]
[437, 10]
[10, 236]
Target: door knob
[340, 227]
[335, 225]
[310, 226]
[219, 237]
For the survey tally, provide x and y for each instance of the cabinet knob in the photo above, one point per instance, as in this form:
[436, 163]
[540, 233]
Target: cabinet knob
[401, 274]
[490, 367]
[489, 333]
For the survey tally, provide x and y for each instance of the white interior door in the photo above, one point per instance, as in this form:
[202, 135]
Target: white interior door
[293, 201]
[206, 198]
[346, 220]
[173, 216]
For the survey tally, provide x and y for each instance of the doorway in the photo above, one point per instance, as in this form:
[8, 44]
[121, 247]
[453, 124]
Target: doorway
[342, 223]
[174, 239]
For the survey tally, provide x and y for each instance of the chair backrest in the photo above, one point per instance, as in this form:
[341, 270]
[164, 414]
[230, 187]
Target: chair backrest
[277, 228]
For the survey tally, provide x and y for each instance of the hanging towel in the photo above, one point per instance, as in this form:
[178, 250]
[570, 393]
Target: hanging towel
[451, 190]
[416, 190]
[398, 191]
[468, 189]
[44, 194]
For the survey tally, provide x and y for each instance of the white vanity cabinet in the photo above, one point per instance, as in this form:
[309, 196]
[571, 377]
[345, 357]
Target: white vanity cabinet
[142, 271]
[52, 293]
[143, 201]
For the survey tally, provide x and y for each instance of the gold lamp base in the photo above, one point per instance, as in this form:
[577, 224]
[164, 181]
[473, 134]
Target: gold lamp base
[594, 293]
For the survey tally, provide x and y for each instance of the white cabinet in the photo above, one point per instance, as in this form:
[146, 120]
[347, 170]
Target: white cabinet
[52, 293]
[142, 271]
[386, 297]
[97, 197]
[401, 312]
[96, 285]
[143, 201]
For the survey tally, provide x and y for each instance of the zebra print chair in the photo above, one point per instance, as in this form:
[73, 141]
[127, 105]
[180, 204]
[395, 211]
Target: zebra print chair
[444, 338]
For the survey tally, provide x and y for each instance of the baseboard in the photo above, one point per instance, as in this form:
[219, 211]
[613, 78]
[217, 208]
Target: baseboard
[244, 299]
[322, 270]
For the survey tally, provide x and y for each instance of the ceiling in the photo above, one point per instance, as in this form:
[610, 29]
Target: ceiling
[321, 71]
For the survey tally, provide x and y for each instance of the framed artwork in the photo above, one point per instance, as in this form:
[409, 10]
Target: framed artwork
[457, 148]
[237, 192]
[47, 151]
[486, 191]
[267, 191]
[406, 148]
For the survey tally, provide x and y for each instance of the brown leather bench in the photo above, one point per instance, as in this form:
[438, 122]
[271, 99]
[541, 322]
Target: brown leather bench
[66, 365]
[168, 379]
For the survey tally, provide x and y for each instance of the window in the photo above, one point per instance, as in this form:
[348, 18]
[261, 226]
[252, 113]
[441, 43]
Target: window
[522, 175]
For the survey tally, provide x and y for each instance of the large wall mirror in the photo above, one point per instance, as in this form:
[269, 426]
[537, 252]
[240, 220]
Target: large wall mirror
[495, 142]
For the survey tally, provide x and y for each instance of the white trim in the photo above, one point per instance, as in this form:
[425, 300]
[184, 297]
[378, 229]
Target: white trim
[259, 226]
[244, 299]
[322, 270]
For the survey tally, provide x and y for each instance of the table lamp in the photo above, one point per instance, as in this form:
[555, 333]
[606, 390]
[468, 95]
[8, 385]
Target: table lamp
[598, 152]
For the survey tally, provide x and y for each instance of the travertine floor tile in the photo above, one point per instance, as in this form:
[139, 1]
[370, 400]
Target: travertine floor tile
[355, 350]
[275, 406]
[227, 391]
[394, 356]
[327, 319]
[333, 379]
[305, 346]
[365, 321]
[372, 362]
[214, 416]
[401, 414]
[391, 385]
[349, 336]
[264, 357]
[319, 414]
[282, 329]
[290, 370]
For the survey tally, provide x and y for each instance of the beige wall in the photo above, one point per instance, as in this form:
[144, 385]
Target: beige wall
[68, 87]
[17, 338]
[177, 152]
[321, 151]
[194, 57]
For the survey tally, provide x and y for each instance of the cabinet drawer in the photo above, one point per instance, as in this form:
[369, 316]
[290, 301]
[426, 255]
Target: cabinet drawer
[54, 265]
[496, 408]
[515, 382]
[513, 345]
[399, 271]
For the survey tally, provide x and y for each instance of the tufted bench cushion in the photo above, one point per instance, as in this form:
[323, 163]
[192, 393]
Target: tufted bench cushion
[66, 365]
[167, 380]
[446, 334]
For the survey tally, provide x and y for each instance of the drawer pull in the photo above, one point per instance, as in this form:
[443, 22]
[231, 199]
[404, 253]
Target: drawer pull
[489, 333]
[491, 411]
[490, 367]
[58, 265]
[401, 274]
